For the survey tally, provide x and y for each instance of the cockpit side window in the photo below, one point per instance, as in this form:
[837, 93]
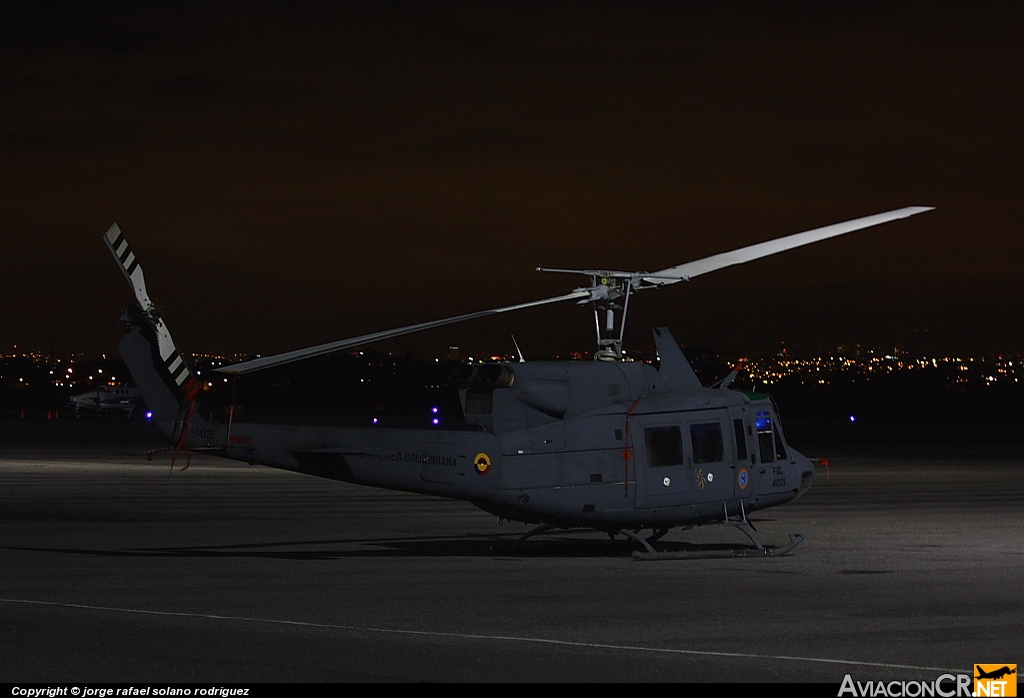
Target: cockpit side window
[765, 440]
[780, 448]
[664, 446]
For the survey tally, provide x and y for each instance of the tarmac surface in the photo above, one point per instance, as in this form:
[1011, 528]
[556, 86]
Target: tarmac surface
[113, 568]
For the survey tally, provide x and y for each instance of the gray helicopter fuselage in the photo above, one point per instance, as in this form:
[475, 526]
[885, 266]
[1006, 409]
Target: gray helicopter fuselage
[606, 445]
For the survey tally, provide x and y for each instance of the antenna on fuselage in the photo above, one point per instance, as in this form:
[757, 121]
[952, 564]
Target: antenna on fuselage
[727, 381]
[519, 351]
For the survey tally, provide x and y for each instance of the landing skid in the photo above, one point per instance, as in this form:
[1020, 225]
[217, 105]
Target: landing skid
[537, 530]
[649, 552]
[744, 526]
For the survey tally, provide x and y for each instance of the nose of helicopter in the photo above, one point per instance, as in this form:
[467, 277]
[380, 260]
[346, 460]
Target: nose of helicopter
[805, 473]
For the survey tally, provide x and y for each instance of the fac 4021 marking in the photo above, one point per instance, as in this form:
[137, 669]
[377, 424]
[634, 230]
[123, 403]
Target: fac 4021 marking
[780, 477]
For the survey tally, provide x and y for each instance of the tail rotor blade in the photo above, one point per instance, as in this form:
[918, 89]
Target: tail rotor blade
[172, 358]
[122, 252]
[132, 270]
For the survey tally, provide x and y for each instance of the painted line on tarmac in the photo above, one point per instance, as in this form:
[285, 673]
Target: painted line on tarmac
[494, 638]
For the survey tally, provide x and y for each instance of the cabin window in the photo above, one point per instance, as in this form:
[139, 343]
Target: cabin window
[707, 443]
[741, 440]
[664, 446]
[479, 402]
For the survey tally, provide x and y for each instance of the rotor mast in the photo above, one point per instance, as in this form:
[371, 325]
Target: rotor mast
[609, 342]
[609, 292]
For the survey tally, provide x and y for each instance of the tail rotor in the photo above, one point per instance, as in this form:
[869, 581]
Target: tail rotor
[169, 354]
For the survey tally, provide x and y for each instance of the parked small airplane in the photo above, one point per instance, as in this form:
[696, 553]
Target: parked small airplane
[109, 399]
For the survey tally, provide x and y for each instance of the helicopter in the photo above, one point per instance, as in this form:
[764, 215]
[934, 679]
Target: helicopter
[612, 445]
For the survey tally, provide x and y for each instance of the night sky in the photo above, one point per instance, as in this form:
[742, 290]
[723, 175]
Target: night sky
[294, 176]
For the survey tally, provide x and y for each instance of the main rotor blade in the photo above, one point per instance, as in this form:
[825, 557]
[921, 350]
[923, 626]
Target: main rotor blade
[685, 272]
[330, 347]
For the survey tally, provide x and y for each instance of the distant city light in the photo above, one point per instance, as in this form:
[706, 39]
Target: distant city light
[374, 420]
[853, 418]
[436, 421]
[149, 415]
[434, 410]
